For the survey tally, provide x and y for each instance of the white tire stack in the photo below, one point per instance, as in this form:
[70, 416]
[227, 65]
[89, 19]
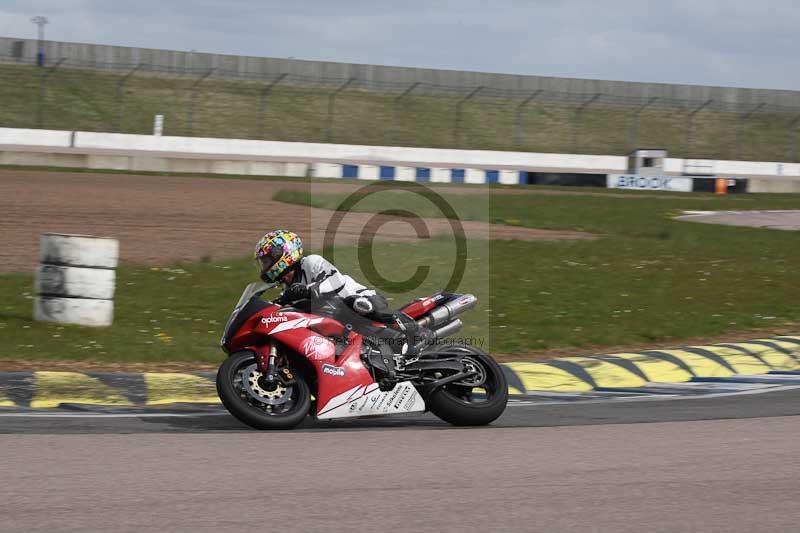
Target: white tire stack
[75, 279]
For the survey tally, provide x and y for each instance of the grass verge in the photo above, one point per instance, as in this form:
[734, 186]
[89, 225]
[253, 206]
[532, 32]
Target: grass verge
[93, 100]
[651, 280]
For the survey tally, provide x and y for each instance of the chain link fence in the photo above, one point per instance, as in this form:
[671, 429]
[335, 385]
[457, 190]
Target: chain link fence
[215, 102]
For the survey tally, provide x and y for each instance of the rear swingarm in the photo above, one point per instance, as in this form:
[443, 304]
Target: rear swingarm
[436, 364]
[425, 389]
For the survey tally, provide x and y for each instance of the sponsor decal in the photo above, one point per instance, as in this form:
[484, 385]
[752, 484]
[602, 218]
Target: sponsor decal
[335, 371]
[402, 397]
[374, 400]
[394, 393]
[369, 400]
[410, 403]
[273, 319]
[317, 348]
[365, 405]
[295, 324]
[381, 398]
[657, 183]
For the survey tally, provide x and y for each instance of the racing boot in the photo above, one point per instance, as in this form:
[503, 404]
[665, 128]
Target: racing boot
[415, 339]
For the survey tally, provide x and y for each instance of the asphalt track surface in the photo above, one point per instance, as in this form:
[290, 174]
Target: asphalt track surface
[724, 463]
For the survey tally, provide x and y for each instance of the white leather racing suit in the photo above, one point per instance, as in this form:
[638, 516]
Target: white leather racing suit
[317, 271]
[322, 278]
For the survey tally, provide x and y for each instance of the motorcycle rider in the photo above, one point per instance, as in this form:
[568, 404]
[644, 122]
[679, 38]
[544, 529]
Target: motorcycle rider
[279, 258]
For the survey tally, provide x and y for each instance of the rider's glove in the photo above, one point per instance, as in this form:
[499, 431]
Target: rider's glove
[295, 292]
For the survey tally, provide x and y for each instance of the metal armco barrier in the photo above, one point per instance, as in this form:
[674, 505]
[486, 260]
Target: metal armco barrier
[75, 279]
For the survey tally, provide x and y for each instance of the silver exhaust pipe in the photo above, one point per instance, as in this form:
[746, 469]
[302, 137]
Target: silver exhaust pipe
[448, 329]
[447, 312]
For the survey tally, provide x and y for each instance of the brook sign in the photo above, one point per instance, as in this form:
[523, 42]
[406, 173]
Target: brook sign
[653, 183]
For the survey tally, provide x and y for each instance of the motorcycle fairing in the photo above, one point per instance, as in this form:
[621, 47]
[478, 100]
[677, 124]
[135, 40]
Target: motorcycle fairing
[307, 335]
[334, 375]
[366, 400]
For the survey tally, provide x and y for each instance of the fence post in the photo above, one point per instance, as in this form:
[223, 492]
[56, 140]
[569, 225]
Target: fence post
[42, 83]
[791, 148]
[262, 103]
[518, 118]
[634, 132]
[457, 137]
[395, 127]
[332, 106]
[743, 118]
[192, 97]
[121, 94]
[690, 125]
[578, 113]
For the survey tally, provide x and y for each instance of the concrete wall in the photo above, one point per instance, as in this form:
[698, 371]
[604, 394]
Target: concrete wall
[119, 151]
[31, 137]
[396, 78]
[773, 185]
[425, 157]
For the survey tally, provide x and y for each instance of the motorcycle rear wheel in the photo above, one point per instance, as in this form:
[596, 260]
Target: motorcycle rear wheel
[458, 405]
[254, 409]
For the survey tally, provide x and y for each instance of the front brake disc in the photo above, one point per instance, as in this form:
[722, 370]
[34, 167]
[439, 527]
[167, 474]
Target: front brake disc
[250, 380]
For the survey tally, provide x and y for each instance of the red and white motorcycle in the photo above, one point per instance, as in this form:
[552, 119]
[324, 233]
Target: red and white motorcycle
[284, 363]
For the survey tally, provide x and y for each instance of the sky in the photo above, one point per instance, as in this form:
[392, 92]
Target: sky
[741, 43]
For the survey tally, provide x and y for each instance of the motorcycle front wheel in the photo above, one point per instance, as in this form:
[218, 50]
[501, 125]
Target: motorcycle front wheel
[246, 394]
[478, 400]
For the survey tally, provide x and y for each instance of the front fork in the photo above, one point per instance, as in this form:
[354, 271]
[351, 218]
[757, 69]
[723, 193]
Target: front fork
[266, 361]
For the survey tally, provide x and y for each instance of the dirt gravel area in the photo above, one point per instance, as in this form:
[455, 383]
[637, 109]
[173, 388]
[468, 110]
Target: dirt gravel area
[788, 219]
[163, 219]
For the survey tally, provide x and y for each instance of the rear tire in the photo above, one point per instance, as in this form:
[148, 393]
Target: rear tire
[452, 403]
[246, 408]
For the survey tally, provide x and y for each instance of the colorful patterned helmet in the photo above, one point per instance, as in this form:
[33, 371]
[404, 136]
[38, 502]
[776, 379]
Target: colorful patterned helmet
[276, 253]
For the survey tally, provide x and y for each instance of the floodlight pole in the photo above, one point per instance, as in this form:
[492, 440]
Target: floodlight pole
[41, 22]
[42, 90]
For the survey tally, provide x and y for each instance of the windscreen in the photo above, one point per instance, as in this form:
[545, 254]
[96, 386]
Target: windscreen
[253, 289]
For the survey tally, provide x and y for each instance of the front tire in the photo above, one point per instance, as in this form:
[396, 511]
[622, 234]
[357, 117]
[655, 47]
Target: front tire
[239, 388]
[459, 405]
